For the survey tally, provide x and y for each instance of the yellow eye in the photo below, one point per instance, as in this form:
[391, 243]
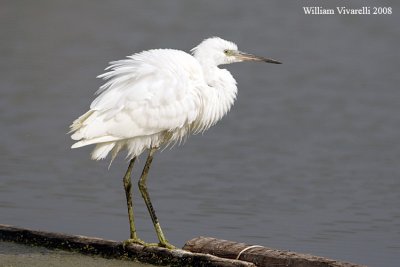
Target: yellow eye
[226, 51]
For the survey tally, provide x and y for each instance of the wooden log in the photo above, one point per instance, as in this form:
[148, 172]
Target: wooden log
[113, 249]
[260, 256]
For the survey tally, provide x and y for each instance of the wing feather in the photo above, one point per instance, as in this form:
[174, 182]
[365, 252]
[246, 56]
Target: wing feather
[150, 92]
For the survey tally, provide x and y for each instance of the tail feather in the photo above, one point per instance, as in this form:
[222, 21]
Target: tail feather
[78, 123]
[97, 140]
[104, 144]
[101, 150]
[78, 129]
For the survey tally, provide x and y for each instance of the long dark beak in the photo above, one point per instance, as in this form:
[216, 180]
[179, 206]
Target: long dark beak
[249, 57]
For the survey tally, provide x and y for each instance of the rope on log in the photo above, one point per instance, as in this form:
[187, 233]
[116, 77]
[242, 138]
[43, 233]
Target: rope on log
[259, 255]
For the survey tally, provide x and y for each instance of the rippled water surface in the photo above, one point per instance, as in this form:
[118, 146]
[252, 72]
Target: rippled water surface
[307, 160]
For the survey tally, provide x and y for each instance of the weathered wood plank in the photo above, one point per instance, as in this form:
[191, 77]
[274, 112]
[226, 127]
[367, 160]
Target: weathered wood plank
[261, 256]
[114, 249]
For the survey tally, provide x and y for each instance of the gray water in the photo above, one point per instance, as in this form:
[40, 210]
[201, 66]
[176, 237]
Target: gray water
[307, 160]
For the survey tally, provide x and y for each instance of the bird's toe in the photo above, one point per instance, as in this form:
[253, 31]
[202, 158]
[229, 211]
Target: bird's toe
[135, 241]
[167, 245]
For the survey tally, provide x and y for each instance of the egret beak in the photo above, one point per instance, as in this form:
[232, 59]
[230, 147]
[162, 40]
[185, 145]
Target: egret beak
[249, 57]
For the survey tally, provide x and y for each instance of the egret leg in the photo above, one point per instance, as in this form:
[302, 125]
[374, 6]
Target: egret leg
[128, 192]
[145, 194]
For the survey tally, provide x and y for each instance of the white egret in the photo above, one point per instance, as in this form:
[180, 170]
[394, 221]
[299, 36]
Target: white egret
[156, 98]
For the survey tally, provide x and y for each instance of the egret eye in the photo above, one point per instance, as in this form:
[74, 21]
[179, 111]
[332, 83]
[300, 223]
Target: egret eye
[226, 51]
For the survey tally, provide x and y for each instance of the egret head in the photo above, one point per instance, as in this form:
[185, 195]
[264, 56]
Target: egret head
[218, 51]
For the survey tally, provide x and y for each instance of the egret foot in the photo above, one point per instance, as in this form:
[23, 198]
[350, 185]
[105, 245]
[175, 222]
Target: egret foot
[136, 241]
[166, 244]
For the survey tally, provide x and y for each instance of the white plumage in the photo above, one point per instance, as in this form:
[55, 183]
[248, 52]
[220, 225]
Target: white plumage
[155, 98]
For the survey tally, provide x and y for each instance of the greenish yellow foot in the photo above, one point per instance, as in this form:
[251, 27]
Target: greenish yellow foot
[141, 242]
[136, 241]
[166, 244]
[161, 244]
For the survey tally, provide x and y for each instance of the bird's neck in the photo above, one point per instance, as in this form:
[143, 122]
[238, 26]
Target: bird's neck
[218, 97]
